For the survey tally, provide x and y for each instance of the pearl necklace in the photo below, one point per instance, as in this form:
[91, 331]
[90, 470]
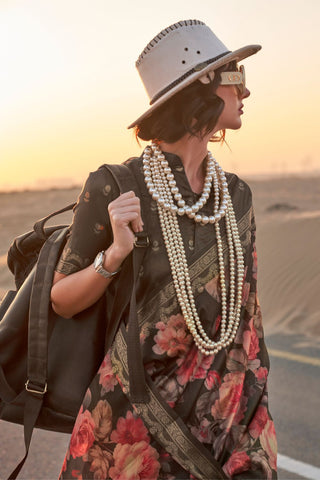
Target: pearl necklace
[214, 174]
[162, 187]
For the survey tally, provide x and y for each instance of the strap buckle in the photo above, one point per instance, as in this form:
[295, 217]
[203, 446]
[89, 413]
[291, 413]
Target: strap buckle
[32, 390]
[141, 240]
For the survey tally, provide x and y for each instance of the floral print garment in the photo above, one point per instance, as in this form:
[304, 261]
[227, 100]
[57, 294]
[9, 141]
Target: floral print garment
[202, 409]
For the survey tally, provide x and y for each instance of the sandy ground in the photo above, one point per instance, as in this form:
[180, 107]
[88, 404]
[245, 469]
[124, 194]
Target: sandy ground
[288, 234]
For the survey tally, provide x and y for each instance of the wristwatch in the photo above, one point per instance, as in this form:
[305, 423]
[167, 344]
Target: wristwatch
[98, 262]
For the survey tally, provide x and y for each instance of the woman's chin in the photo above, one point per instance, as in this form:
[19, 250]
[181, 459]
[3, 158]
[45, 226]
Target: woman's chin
[236, 125]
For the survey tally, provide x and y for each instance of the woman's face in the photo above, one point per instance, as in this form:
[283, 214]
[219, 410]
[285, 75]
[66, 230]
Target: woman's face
[230, 116]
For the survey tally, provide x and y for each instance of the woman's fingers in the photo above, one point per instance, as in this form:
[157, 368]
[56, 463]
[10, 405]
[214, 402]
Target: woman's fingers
[137, 225]
[126, 200]
[125, 211]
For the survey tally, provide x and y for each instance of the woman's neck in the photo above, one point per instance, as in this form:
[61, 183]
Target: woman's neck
[192, 152]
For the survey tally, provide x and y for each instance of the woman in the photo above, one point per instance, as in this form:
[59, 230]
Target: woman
[201, 337]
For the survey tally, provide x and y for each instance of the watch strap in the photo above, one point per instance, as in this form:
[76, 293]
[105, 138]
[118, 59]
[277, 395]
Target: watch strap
[102, 271]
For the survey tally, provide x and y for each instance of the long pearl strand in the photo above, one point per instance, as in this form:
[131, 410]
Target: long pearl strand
[162, 187]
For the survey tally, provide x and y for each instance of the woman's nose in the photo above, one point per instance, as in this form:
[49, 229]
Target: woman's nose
[246, 93]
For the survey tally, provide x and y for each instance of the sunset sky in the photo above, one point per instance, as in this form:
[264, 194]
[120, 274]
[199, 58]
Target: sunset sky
[69, 87]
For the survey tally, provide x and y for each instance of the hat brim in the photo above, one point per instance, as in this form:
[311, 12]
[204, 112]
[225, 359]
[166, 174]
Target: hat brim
[237, 55]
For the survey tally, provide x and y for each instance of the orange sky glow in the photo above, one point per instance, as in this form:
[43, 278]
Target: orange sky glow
[69, 88]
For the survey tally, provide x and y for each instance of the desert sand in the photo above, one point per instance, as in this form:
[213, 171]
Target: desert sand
[288, 238]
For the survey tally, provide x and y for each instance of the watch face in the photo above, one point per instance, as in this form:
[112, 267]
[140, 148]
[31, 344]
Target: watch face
[98, 260]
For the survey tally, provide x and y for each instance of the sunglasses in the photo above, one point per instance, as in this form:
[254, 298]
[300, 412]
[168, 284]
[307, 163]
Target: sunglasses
[235, 78]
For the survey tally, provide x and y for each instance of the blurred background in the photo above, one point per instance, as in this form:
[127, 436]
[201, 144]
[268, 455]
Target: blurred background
[68, 90]
[69, 86]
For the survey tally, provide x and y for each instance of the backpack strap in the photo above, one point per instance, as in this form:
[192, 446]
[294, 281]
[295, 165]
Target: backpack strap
[38, 227]
[138, 390]
[36, 384]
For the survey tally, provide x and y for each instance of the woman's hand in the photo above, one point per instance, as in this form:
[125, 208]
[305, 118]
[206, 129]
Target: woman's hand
[73, 293]
[125, 217]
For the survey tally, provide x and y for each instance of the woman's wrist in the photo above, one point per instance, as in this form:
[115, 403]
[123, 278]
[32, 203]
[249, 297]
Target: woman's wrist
[113, 258]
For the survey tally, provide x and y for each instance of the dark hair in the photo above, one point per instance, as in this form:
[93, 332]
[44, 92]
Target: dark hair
[195, 110]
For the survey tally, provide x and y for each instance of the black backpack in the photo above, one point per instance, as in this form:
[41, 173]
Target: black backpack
[42, 378]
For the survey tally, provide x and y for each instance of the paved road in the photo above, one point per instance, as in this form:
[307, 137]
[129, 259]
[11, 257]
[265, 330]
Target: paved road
[45, 457]
[294, 401]
[294, 391]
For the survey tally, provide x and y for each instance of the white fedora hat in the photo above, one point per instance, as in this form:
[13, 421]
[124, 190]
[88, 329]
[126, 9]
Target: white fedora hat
[179, 55]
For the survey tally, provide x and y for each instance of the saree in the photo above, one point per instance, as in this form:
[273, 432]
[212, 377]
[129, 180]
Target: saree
[202, 411]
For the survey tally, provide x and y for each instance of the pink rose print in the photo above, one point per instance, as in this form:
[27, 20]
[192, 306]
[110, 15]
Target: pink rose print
[269, 443]
[102, 417]
[76, 474]
[100, 462]
[257, 319]
[194, 366]
[169, 389]
[255, 262]
[130, 430]
[231, 403]
[261, 374]
[172, 337]
[107, 379]
[237, 360]
[258, 422]
[214, 288]
[245, 293]
[254, 345]
[251, 304]
[251, 341]
[203, 432]
[83, 434]
[237, 463]
[213, 380]
[135, 462]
